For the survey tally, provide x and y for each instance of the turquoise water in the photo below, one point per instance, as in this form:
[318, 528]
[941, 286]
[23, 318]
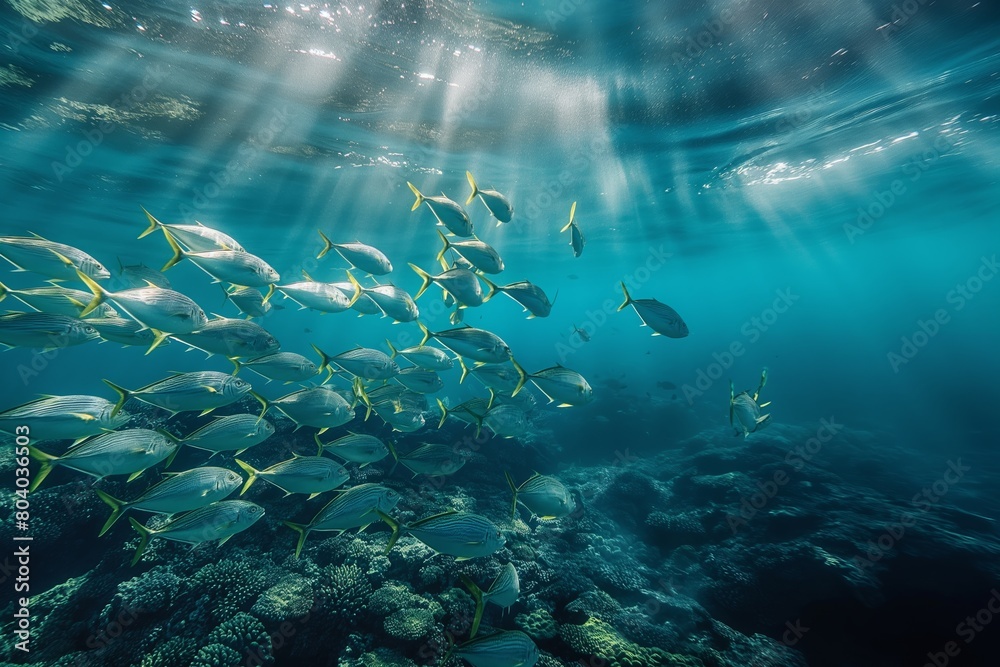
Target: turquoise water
[813, 187]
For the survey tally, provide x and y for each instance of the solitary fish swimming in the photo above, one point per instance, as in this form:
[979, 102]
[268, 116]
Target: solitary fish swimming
[744, 411]
[576, 238]
[659, 317]
[497, 204]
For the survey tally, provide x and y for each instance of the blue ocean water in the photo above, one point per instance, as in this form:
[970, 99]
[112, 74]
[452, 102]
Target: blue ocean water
[813, 187]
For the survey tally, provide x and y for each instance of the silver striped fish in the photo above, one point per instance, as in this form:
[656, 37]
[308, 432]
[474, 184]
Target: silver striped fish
[164, 310]
[356, 507]
[319, 407]
[57, 300]
[503, 592]
[140, 275]
[55, 260]
[447, 212]
[44, 331]
[122, 330]
[497, 204]
[506, 421]
[432, 459]
[479, 255]
[423, 356]
[544, 496]
[661, 318]
[419, 380]
[393, 301]
[460, 534]
[576, 238]
[195, 237]
[250, 301]
[231, 338]
[231, 266]
[218, 521]
[230, 433]
[303, 474]
[179, 492]
[530, 296]
[322, 297]
[363, 362]
[461, 284]
[356, 448]
[284, 366]
[561, 385]
[72, 417]
[199, 390]
[472, 343]
[507, 648]
[127, 452]
[369, 259]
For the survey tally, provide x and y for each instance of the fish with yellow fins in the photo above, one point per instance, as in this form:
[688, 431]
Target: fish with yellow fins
[576, 238]
[744, 411]
[497, 204]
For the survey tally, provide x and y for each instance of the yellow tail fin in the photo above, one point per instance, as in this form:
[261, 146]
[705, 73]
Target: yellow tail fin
[628, 299]
[572, 215]
[426, 277]
[154, 224]
[100, 296]
[251, 471]
[327, 244]
[420, 197]
[475, 189]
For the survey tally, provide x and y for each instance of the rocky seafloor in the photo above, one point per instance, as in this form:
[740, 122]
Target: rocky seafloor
[677, 554]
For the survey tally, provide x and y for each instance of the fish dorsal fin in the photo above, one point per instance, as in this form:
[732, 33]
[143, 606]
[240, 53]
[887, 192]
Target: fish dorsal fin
[433, 516]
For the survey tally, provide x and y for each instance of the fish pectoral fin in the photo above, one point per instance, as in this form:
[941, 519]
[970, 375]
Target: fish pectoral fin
[89, 418]
[764, 405]
[211, 390]
[564, 405]
[134, 476]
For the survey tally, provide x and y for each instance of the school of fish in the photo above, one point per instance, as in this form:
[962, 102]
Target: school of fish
[147, 312]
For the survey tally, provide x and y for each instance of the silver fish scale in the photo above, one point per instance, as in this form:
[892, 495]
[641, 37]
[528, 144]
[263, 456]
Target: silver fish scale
[186, 484]
[213, 516]
[355, 502]
[115, 443]
[238, 424]
[306, 466]
[44, 407]
[186, 382]
[459, 526]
